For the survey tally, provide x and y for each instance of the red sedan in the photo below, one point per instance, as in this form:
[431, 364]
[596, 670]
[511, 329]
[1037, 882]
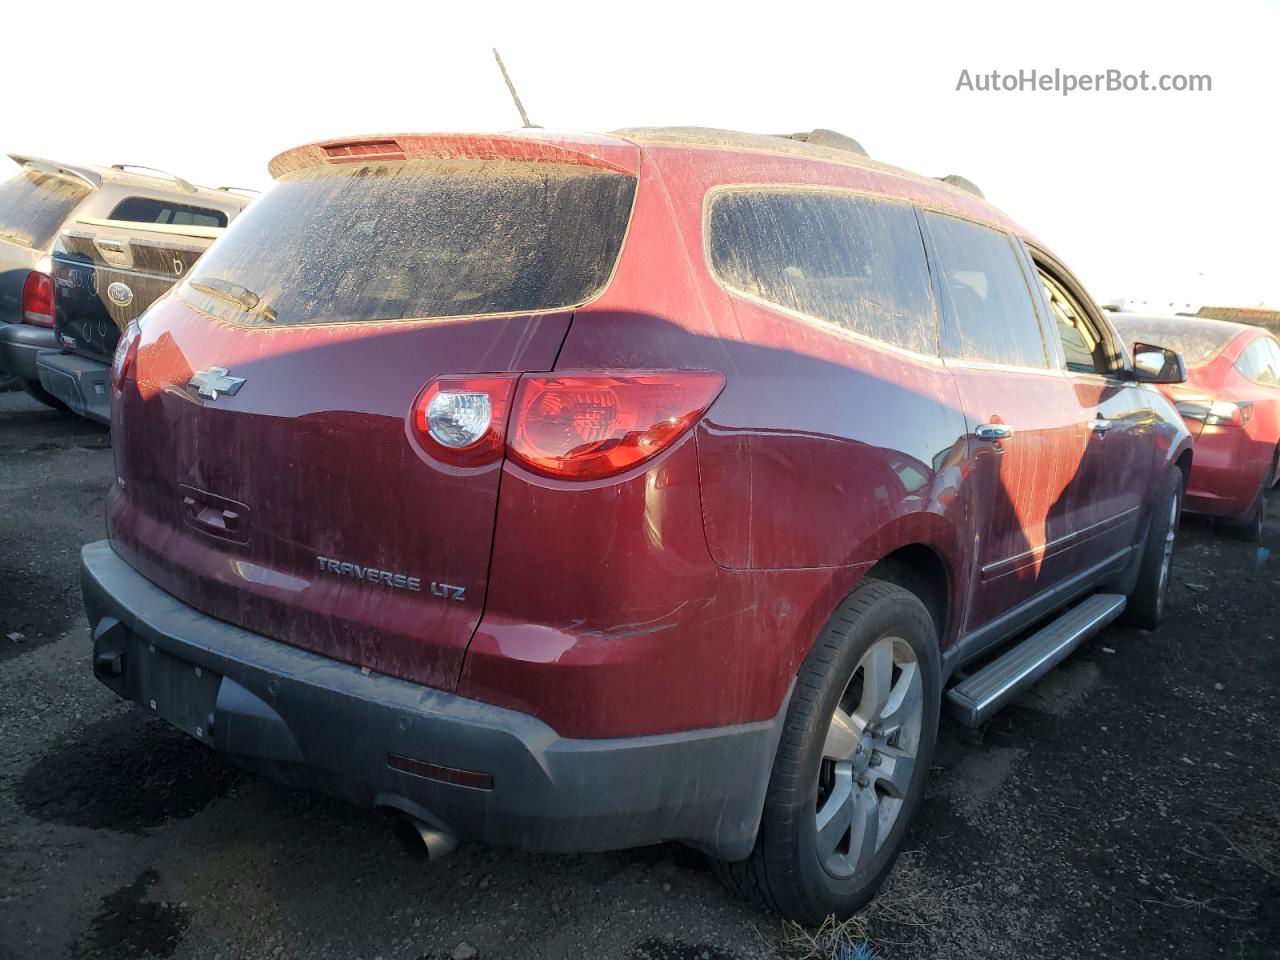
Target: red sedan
[1231, 403]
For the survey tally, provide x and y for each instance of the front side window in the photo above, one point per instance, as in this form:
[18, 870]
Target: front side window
[993, 316]
[1083, 345]
[150, 210]
[851, 261]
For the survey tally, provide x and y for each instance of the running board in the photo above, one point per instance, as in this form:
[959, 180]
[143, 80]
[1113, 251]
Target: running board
[981, 694]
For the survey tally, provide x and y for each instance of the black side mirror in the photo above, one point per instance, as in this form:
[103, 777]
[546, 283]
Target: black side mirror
[1152, 364]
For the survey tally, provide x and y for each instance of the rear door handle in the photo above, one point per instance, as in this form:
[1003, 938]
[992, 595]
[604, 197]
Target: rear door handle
[993, 431]
[1101, 425]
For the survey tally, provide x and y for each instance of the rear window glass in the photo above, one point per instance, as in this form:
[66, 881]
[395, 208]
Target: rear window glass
[1199, 341]
[851, 261]
[993, 316]
[150, 210]
[33, 206]
[415, 239]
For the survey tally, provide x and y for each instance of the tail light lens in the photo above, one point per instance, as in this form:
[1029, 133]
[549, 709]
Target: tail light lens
[126, 355]
[1214, 413]
[585, 426]
[37, 299]
[576, 426]
[461, 421]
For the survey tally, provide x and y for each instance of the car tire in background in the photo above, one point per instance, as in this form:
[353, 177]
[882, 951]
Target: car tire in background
[853, 758]
[1249, 527]
[1146, 602]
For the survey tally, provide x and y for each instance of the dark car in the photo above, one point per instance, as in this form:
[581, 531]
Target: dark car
[582, 492]
[92, 211]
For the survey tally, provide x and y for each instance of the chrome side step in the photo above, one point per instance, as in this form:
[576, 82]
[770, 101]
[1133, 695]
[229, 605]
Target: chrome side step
[982, 693]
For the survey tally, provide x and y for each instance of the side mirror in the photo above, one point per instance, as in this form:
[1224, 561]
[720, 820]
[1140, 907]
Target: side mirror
[1152, 364]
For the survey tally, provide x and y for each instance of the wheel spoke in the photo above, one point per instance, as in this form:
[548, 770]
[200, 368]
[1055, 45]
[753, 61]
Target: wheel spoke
[905, 700]
[842, 736]
[836, 814]
[894, 770]
[864, 837]
[877, 676]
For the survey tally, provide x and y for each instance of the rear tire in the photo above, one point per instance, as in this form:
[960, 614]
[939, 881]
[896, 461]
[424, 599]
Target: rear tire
[1146, 602]
[38, 392]
[852, 761]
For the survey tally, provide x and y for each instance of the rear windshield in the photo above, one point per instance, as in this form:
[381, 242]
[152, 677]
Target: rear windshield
[150, 210]
[416, 238]
[1199, 341]
[33, 205]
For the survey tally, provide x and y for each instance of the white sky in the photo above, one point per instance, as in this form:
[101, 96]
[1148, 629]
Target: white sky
[1148, 195]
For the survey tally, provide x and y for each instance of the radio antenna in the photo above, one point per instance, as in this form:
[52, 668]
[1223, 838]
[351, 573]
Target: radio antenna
[524, 117]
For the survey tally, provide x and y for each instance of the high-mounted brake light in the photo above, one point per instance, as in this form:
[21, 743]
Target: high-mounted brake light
[126, 355]
[1216, 413]
[585, 426]
[462, 420]
[37, 299]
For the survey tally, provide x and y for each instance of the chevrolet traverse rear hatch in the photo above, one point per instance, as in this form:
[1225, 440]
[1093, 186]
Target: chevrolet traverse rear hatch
[275, 472]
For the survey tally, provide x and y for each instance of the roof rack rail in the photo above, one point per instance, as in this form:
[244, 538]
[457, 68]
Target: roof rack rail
[963, 183]
[822, 137]
[154, 171]
[82, 174]
[251, 190]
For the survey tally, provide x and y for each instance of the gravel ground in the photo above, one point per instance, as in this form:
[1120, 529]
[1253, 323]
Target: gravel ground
[1129, 805]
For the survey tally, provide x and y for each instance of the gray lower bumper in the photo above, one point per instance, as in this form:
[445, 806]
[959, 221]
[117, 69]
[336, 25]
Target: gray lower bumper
[319, 723]
[84, 385]
[19, 345]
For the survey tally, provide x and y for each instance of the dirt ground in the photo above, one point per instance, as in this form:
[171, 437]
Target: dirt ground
[1128, 806]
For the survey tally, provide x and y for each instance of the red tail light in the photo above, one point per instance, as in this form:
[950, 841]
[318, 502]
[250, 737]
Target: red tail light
[585, 426]
[1217, 413]
[126, 355]
[462, 421]
[37, 299]
[577, 426]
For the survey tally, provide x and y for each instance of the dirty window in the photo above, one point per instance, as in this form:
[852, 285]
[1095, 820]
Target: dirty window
[993, 316]
[849, 260]
[33, 206]
[1085, 347]
[1199, 341]
[150, 210]
[1258, 363]
[417, 238]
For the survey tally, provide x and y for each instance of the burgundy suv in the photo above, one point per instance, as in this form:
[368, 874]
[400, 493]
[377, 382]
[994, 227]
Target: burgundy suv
[582, 492]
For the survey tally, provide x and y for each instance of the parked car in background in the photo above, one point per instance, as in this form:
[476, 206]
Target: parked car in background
[107, 271]
[1231, 402]
[583, 492]
[46, 197]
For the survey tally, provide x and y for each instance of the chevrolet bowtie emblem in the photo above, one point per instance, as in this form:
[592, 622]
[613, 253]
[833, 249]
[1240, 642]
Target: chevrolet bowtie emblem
[214, 381]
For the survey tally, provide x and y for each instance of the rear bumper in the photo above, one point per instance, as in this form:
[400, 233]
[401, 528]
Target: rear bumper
[1227, 472]
[322, 724]
[84, 385]
[19, 345]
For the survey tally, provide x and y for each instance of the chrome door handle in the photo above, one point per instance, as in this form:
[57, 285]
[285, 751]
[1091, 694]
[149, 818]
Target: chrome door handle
[1100, 425]
[993, 431]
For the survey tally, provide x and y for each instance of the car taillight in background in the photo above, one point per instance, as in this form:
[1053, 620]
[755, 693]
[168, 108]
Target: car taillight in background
[37, 299]
[577, 426]
[126, 355]
[1214, 413]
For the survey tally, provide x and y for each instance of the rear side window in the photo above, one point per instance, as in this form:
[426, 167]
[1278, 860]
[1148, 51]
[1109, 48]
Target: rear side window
[993, 316]
[417, 239]
[852, 261]
[1260, 362]
[34, 205]
[150, 210]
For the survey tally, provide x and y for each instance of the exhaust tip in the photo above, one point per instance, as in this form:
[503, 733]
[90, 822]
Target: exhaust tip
[420, 839]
